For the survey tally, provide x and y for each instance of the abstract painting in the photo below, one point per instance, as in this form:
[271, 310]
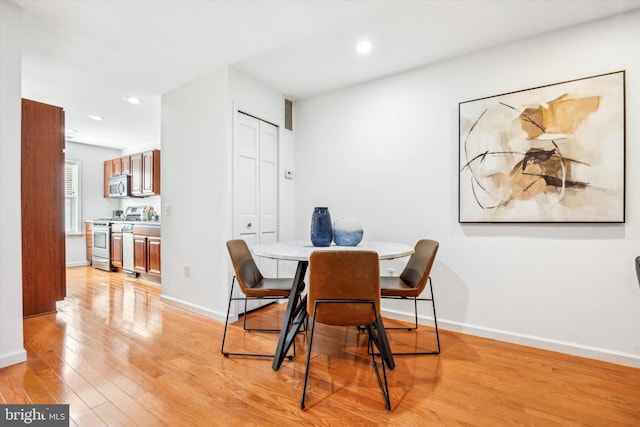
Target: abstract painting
[553, 153]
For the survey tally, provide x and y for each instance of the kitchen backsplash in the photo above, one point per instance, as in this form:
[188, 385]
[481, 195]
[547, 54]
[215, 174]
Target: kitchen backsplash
[154, 201]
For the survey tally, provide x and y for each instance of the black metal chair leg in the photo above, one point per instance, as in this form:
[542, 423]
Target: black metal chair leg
[435, 322]
[384, 387]
[226, 322]
[306, 369]
[435, 318]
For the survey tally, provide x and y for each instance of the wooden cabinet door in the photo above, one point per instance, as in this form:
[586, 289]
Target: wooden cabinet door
[42, 199]
[108, 173]
[126, 165]
[136, 174]
[140, 254]
[147, 172]
[88, 232]
[116, 249]
[151, 172]
[116, 167]
[153, 255]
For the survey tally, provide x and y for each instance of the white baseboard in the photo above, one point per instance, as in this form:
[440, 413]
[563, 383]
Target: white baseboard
[193, 308]
[78, 264]
[13, 358]
[619, 358]
[605, 355]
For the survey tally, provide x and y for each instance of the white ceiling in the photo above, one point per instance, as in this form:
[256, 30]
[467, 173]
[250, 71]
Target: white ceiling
[87, 55]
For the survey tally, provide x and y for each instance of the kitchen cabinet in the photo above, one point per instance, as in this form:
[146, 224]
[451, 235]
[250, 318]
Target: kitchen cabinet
[88, 235]
[42, 203]
[140, 254]
[145, 173]
[116, 245]
[108, 173]
[116, 167]
[153, 255]
[123, 166]
[136, 174]
[147, 249]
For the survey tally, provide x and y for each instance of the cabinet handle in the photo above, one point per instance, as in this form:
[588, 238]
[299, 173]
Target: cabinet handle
[249, 225]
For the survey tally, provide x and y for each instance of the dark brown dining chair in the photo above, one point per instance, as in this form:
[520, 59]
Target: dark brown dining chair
[344, 290]
[411, 284]
[252, 286]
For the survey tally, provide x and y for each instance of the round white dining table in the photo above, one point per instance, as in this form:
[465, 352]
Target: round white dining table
[301, 250]
[296, 313]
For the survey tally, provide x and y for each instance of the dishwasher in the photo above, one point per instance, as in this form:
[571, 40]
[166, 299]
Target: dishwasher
[127, 249]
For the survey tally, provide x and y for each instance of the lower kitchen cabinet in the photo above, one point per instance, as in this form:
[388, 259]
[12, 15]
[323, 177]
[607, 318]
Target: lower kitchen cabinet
[88, 233]
[153, 255]
[146, 249]
[116, 247]
[140, 254]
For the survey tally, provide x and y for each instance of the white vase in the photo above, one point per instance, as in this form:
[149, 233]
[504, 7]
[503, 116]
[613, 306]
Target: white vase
[347, 232]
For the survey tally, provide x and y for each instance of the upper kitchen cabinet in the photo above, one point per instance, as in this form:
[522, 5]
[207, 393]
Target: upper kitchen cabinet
[43, 200]
[115, 167]
[144, 169]
[145, 173]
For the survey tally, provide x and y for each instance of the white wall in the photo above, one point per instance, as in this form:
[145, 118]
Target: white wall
[197, 130]
[11, 346]
[386, 152]
[196, 202]
[93, 203]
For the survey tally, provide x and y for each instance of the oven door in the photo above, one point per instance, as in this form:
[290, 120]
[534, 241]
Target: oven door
[101, 247]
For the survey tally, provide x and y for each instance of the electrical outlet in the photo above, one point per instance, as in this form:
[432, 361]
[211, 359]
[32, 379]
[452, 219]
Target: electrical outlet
[186, 271]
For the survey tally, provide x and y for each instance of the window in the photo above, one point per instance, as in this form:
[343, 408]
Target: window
[72, 196]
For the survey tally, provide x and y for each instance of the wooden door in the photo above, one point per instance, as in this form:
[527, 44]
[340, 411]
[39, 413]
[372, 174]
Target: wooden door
[43, 235]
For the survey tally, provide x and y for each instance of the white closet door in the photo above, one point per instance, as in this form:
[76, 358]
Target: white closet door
[255, 188]
[268, 193]
[246, 178]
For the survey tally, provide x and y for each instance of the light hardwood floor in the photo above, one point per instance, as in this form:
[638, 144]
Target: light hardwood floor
[120, 357]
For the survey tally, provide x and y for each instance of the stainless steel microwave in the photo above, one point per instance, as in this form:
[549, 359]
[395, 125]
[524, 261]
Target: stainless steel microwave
[120, 186]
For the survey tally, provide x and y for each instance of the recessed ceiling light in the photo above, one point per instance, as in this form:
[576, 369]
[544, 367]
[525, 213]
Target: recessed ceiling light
[132, 100]
[364, 46]
[97, 118]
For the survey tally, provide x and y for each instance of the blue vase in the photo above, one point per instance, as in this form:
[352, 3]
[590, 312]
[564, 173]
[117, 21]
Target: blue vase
[321, 232]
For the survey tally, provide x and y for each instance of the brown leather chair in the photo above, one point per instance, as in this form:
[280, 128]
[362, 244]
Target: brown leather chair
[253, 286]
[344, 290]
[412, 282]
